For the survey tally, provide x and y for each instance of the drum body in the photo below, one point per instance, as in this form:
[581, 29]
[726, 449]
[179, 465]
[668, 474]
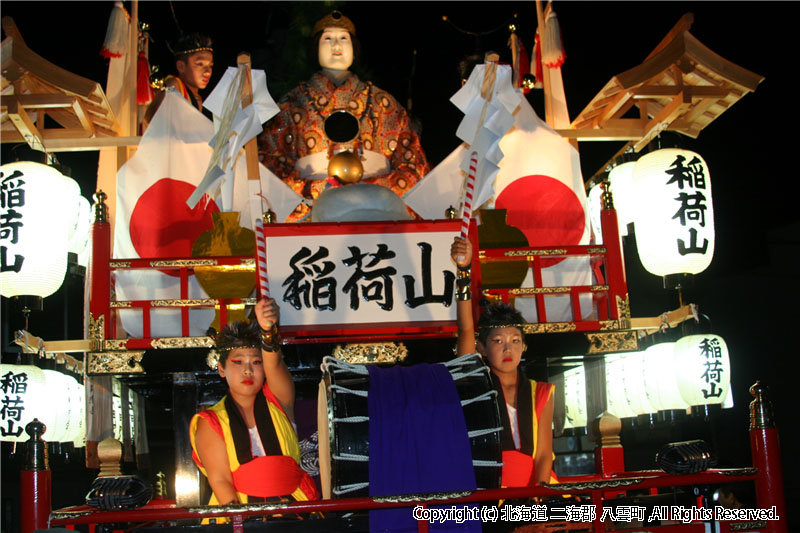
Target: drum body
[343, 425]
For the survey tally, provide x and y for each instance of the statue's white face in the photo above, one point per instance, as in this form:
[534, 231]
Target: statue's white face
[335, 49]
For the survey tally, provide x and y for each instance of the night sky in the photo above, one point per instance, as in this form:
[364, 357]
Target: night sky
[750, 290]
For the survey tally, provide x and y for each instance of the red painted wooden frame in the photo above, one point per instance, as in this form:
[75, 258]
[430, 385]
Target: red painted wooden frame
[610, 298]
[101, 283]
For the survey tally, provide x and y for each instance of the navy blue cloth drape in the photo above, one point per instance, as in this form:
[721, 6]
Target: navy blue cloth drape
[417, 441]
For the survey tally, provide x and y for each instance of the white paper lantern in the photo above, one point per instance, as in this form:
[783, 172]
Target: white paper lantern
[59, 404]
[80, 242]
[620, 180]
[660, 377]
[68, 405]
[727, 403]
[79, 441]
[79, 236]
[704, 369]
[595, 199]
[76, 432]
[37, 208]
[575, 397]
[616, 393]
[633, 383]
[23, 398]
[28, 392]
[675, 225]
[116, 420]
[131, 414]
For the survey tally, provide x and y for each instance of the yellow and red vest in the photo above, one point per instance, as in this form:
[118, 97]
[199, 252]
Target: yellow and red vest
[181, 87]
[267, 476]
[518, 465]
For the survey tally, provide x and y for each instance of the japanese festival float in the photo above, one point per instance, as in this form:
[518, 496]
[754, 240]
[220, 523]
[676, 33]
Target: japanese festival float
[326, 202]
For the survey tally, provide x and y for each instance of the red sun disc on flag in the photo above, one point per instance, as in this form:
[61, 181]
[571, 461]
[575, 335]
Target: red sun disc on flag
[163, 226]
[545, 209]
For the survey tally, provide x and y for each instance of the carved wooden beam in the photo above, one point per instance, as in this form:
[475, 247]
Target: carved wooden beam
[22, 121]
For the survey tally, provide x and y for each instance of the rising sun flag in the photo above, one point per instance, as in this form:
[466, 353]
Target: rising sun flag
[538, 181]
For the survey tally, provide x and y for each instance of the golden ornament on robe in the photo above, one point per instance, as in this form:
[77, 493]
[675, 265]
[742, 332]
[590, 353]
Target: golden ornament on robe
[346, 166]
[226, 238]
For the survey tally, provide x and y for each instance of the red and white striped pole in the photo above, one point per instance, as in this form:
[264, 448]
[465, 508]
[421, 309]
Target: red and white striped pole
[261, 260]
[468, 194]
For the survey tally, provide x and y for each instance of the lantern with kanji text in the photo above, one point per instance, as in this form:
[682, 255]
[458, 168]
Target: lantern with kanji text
[703, 369]
[28, 392]
[37, 211]
[674, 219]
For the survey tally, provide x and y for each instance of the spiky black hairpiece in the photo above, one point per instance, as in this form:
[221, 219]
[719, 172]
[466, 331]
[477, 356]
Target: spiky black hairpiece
[498, 315]
[190, 43]
[237, 335]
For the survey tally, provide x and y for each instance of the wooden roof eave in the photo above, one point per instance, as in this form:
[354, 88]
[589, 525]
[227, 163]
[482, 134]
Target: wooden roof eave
[686, 47]
[679, 67]
[605, 105]
[19, 62]
[623, 97]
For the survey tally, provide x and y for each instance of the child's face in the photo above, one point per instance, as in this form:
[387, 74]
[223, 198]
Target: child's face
[196, 70]
[503, 349]
[244, 371]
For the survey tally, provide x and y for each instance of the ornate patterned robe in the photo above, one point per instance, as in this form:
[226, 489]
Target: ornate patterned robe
[295, 147]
